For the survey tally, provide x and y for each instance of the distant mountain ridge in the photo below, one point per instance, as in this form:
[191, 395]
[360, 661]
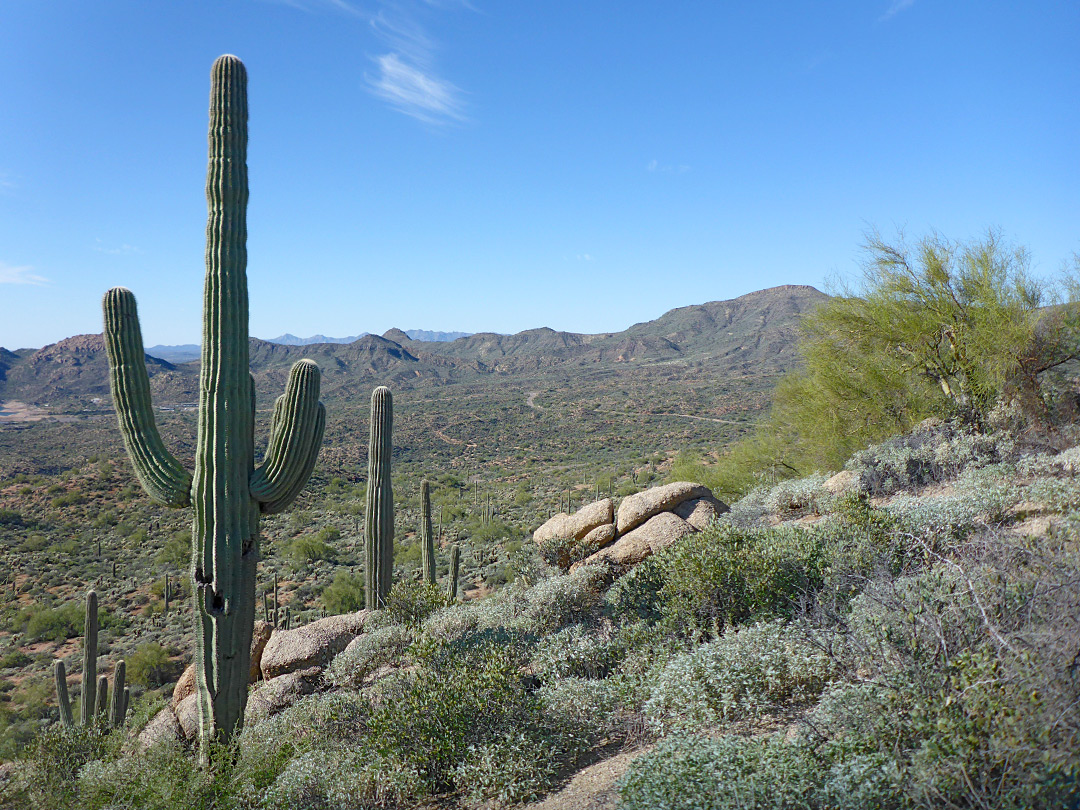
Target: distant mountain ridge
[754, 335]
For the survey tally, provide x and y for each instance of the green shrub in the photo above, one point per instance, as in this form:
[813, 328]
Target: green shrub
[693, 772]
[150, 666]
[410, 603]
[368, 652]
[309, 549]
[345, 594]
[748, 672]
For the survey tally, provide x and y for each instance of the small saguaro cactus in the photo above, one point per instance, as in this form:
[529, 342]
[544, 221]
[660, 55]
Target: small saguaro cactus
[427, 540]
[379, 513]
[452, 576]
[226, 492]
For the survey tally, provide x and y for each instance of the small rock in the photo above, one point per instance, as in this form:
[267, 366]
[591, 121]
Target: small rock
[313, 645]
[164, 727]
[277, 695]
[843, 481]
[600, 537]
[636, 509]
[578, 524]
[657, 533]
[700, 512]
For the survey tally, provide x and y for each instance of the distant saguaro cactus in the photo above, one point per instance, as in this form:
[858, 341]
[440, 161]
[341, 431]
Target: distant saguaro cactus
[379, 513]
[452, 576]
[427, 539]
[226, 491]
[62, 698]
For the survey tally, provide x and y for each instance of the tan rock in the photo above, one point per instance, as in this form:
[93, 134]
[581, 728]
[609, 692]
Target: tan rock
[184, 687]
[600, 537]
[312, 645]
[163, 727]
[843, 481]
[657, 533]
[276, 695]
[263, 631]
[187, 714]
[636, 509]
[700, 512]
[578, 524]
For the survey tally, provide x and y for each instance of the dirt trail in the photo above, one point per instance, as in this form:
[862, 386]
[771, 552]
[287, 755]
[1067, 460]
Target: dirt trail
[531, 400]
[591, 788]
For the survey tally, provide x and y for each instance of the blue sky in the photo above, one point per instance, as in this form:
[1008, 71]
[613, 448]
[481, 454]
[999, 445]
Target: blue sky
[498, 166]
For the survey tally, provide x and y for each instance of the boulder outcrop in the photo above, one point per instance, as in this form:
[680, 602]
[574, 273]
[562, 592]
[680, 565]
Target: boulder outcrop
[636, 509]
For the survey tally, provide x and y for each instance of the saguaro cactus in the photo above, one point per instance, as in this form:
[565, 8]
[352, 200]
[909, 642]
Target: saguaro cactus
[226, 491]
[427, 540]
[89, 676]
[379, 512]
[62, 699]
[452, 576]
[119, 695]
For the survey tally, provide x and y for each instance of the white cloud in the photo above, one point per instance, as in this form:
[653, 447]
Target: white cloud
[319, 5]
[406, 76]
[895, 7]
[413, 91]
[20, 275]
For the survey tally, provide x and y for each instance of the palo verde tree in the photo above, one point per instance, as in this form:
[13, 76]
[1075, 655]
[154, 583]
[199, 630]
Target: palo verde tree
[226, 492]
[933, 328]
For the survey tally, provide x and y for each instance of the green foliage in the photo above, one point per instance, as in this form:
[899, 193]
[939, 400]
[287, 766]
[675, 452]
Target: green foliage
[150, 666]
[345, 594]
[410, 603]
[937, 328]
[309, 548]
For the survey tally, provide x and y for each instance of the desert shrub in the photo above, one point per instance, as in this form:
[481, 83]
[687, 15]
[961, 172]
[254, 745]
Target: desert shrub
[561, 600]
[726, 575]
[935, 451]
[695, 772]
[150, 666]
[562, 552]
[46, 777]
[410, 603]
[177, 550]
[367, 653]
[578, 651]
[54, 624]
[308, 549]
[345, 594]
[798, 497]
[746, 673]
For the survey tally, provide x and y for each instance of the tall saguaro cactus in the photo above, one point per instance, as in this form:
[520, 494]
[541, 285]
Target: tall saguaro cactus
[427, 539]
[89, 676]
[379, 511]
[226, 492]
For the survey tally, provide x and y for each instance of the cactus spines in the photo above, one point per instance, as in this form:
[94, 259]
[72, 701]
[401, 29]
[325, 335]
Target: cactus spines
[119, 695]
[427, 540]
[452, 576]
[62, 698]
[89, 678]
[379, 512]
[225, 490]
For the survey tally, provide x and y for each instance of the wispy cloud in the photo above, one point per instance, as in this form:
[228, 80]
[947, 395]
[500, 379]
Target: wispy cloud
[320, 5]
[116, 251]
[657, 166]
[406, 75]
[20, 275]
[895, 7]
